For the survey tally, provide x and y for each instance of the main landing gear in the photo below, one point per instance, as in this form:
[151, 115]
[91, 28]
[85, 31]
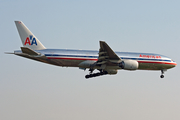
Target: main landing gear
[96, 74]
[162, 74]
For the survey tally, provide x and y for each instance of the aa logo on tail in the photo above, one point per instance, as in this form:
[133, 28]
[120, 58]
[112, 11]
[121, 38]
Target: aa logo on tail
[30, 40]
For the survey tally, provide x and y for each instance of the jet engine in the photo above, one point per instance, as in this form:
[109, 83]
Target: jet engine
[129, 65]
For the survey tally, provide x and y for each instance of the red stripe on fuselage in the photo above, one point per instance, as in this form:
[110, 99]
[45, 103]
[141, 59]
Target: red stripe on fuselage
[157, 62]
[94, 59]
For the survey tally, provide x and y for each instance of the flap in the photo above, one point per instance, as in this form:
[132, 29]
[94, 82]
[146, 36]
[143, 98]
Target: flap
[106, 54]
[105, 49]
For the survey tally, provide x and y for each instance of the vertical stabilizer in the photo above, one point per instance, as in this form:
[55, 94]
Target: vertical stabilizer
[27, 37]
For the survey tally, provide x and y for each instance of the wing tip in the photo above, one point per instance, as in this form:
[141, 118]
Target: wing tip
[101, 41]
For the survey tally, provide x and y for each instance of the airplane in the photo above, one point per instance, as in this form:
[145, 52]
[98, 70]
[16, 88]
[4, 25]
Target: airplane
[106, 61]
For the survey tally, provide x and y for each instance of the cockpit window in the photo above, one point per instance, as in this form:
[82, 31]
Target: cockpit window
[172, 60]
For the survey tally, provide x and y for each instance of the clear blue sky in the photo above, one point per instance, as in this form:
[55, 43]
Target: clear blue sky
[33, 90]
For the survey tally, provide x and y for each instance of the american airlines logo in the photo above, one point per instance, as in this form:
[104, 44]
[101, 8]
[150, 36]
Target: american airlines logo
[150, 56]
[30, 40]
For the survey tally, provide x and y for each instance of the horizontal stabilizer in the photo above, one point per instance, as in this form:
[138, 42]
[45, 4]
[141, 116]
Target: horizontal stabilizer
[29, 51]
[9, 53]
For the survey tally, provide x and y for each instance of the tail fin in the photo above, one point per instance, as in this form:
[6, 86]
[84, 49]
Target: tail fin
[27, 37]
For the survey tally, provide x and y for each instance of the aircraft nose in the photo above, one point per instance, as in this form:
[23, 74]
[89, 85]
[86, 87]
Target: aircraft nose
[174, 63]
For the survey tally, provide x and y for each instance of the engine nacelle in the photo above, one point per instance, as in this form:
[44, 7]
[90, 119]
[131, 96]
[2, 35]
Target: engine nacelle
[129, 65]
[112, 71]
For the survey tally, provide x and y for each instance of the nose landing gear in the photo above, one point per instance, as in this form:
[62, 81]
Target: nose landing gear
[162, 74]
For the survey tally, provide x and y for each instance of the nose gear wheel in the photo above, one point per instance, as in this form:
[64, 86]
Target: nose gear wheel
[162, 74]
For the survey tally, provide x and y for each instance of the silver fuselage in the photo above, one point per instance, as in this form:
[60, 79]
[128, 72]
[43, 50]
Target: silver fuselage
[72, 58]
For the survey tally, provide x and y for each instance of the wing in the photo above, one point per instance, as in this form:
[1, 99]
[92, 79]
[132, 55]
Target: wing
[107, 55]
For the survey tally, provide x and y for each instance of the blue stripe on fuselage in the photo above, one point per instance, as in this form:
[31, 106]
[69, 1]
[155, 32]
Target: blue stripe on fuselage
[146, 59]
[123, 58]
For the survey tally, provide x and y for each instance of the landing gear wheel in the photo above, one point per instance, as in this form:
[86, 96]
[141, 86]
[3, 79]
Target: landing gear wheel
[91, 75]
[87, 76]
[105, 72]
[96, 74]
[162, 76]
[101, 73]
